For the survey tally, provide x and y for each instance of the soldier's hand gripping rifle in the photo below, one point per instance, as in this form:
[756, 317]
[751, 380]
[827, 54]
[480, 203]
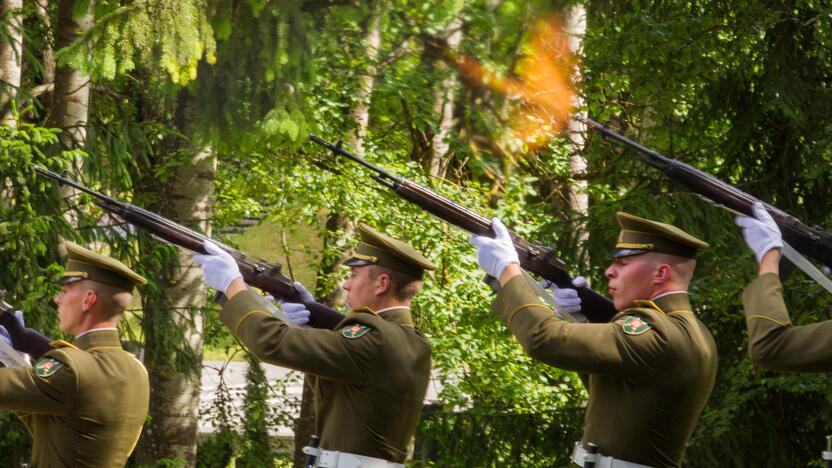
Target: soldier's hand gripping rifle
[810, 241]
[534, 257]
[25, 340]
[262, 275]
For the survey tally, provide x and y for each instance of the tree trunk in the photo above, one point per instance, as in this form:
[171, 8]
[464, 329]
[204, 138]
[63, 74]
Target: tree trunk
[337, 225]
[361, 112]
[71, 95]
[444, 96]
[42, 12]
[173, 321]
[575, 28]
[11, 53]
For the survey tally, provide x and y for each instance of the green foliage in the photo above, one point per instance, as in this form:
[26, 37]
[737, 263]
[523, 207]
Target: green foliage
[169, 36]
[740, 90]
[218, 449]
[252, 96]
[256, 449]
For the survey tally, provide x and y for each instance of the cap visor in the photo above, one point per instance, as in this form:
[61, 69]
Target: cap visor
[618, 253]
[69, 279]
[354, 262]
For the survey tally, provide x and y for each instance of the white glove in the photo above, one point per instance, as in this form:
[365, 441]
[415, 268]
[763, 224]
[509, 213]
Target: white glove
[218, 267]
[566, 298]
[303, 294]
[494, 255]
[295, 312]
[762, 233]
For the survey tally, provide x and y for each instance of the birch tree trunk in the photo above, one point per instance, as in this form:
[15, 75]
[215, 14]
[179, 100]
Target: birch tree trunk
[42, 12]
[11, 53]
[575, 28]
[361, 111]
[444, 96]
[71, 95]
[173, 321]
[337, 225]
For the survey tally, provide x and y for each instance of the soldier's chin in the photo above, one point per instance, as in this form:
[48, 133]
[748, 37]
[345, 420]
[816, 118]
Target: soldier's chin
[620, 304]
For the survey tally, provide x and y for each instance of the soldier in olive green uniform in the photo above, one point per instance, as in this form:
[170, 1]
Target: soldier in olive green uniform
[651, 368]
[371, 371]
[85, 402]
[773, 342]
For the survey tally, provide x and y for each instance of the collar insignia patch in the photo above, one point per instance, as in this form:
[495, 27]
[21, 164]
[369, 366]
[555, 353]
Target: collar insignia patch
[355, 330]
[635, 325]
[47, 366]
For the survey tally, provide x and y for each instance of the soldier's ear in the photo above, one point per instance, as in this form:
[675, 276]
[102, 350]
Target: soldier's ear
[383, 283]
[90, 299]
[662, 273]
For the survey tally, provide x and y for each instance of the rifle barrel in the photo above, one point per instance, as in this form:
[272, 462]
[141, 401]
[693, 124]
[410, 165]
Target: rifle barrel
[811, 241]
[337, 149]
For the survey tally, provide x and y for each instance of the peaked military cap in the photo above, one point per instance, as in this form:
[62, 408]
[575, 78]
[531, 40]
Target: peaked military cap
[83, 264]
[639, 235]
[378, 249]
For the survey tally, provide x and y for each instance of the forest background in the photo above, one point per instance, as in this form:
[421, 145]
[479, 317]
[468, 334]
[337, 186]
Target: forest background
[199, 110]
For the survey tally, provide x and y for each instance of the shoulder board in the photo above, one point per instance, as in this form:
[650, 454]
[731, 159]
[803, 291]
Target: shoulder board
[62, 344]
[634, 325]
[47, 366]
[366, 311]
[643, 304]
[355, 330]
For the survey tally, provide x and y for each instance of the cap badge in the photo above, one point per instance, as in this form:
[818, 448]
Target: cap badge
[355, 330]
[635, 325]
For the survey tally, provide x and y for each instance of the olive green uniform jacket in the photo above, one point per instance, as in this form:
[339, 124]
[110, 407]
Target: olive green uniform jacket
[371, 372]
[83, 403]
[651, 369]
[773, 342]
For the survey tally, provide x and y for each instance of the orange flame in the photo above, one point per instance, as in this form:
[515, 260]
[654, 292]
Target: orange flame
[543, 90]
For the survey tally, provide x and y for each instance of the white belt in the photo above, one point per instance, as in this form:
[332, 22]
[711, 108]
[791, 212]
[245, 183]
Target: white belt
[580, 456]
[331, 459]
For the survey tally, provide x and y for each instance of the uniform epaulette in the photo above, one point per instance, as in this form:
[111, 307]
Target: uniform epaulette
[365, 310]
[57, 344]
[645, 304]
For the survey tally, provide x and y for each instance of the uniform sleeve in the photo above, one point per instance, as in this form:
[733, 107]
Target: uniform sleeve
[22, 389]
[322, 352]
[773, 342]
[595, 348]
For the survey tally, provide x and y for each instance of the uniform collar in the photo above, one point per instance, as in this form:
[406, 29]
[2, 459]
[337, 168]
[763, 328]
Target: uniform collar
[398, 315]
[675, 301]
[103, 338]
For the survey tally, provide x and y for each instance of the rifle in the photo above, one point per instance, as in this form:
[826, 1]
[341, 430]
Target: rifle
[264, 276]
[534, 257]
[812, 241]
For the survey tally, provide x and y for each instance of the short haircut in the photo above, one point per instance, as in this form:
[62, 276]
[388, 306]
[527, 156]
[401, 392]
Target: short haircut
[404, 286]
[683, 267]
[113, 300]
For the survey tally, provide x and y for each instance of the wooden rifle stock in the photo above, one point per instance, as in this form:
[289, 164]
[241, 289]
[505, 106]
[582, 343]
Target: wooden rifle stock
[264, 276]
[534, 257]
